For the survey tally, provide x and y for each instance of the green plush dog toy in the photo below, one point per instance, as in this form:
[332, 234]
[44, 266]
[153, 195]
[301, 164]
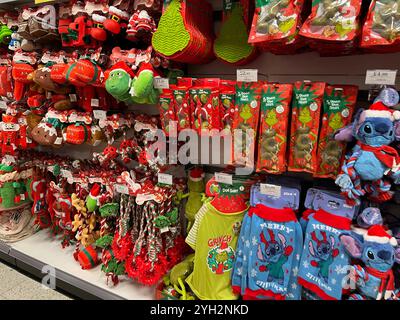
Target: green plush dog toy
[196, 187]
[125, 86]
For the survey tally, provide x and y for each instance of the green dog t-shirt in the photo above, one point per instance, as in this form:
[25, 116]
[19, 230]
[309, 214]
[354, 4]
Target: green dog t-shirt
[213, 236]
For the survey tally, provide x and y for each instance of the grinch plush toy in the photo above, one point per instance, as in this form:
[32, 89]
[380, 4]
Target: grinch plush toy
[373, 160]
[196, 187]
[124, 85]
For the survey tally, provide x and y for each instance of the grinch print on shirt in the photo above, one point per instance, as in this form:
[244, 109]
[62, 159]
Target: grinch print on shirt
[221, 256]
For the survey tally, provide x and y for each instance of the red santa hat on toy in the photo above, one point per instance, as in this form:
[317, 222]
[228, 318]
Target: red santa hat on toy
[380, 110]
[122, 66]
[196, 174]
[377, 234]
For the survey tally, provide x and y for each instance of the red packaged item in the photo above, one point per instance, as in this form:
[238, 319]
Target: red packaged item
[306, 111]
[245, 122]
[205, 100]
[227, 100]
[181, 106]
[275, 20]
[381, 30]
[167, 110]
[333, 26]
[338, 107]
[6, 89]
[274, 125]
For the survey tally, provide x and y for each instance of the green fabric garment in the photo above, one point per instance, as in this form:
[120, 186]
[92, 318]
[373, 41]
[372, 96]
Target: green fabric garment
[276, 269]
[214, 237]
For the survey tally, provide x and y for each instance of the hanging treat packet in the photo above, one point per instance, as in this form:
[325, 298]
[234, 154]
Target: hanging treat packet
[335, 20]
[274, 124]
[167, 110]
[245, 123]
[338, 107]
[227, 100]
[306, 111]
[275, 20]
[382, 26]
[204, 97]
[181, 106]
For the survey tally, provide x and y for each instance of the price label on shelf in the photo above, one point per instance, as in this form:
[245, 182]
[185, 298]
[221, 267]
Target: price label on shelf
[161, 83]
[247, 75]
[99, 114]
[223, 178]
[270, 190]
[383, 77]
[165, 178]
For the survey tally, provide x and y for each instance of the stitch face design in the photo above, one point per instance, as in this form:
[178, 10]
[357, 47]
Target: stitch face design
[323, 251]
[376, 132]
[274, 255]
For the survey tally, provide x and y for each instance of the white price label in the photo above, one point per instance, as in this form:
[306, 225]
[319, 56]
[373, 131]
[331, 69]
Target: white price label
[247, 75]
[270, 190]
[165, 178]
[72, 97]
[165, 229]
[100, 114]
[161, 83]
[223, 178]
[384, 77]
[94, 102]
[66, 174]
[121, 188]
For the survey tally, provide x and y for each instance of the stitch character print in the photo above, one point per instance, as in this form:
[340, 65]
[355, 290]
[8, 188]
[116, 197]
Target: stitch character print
[274, 255]
[324, 252]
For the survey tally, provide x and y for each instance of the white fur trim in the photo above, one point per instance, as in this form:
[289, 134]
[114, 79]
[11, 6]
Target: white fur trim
[381, 240]
[98, 18]
[359, 231]
[196, 179]
[378, 114]
[396, 115]
[117, 12]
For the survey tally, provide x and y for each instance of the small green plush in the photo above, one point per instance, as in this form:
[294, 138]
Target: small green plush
[7, 195]
[119, 82]
[91, 199]
[178, 275]
[143, 84]
[196, 187]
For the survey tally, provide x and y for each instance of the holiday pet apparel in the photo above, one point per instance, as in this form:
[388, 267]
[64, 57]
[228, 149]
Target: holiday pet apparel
[213, 236]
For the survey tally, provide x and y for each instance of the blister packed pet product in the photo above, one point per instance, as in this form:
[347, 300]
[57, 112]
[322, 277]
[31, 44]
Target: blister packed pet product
[306, 111]
[274, 124]
[338, 107]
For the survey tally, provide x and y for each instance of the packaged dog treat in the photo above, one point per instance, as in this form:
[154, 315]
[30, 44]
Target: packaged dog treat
[180, 95]
[306, 111]
[205, 104]
[275, 20]
[338, 107]
[274, 124]
[167, 110]
[245, 123]
[335, 20]
[382, 26]
[227, 99]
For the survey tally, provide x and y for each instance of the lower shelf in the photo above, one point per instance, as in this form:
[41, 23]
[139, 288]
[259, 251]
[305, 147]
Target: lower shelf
[42, 249]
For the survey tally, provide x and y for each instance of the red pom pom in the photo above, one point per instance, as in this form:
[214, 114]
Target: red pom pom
[121, 247]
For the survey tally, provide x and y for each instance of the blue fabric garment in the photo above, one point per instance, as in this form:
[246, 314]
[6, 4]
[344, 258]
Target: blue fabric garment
[274, 255]
[239, 274]
[324, 262]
